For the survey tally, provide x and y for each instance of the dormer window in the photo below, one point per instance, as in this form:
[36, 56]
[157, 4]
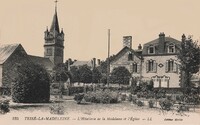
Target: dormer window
[151, 49]
[171, 48]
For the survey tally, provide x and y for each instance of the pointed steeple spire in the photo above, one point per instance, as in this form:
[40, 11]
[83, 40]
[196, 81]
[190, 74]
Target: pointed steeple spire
[55, 24]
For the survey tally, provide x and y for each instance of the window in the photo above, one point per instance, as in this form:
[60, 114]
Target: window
[171, 48]
[164, 82]
[49, 51]
[151, 50]
[135, 67]
[156, 81]
[151, 66]
[130, 56]
[171, 66]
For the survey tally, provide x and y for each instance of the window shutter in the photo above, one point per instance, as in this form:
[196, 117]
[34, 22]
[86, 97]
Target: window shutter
[166, 66]
[147, 66]
[154, 66]
[175, 67]
[138, 68]
[131, 67]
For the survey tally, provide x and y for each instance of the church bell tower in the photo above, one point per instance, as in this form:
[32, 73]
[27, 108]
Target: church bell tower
[54, 41]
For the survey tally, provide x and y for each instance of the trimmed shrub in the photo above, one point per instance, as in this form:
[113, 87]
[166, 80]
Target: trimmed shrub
[31, 84]
[160, 93]
[140, 103]
[123, 97]
[180, 98]
[130, 97]
[4, 106]
[57, 109]
[165, 104]
[78, 97]
[134, 99]
[151, 103]
[182, 108]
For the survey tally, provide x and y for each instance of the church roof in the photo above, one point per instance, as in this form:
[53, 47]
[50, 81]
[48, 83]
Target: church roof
[55, 24]
[45, 62]
[6, 51]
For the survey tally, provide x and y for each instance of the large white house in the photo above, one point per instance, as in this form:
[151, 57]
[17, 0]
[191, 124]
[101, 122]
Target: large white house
[157, 60]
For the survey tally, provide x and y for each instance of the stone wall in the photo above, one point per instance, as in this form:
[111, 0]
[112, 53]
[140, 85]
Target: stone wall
[18, 57]
[123, 61]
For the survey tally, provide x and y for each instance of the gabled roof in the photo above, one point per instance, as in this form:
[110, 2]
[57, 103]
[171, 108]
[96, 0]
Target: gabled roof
[6, 51]
[45, 62]
[81, 63]
[124, 50]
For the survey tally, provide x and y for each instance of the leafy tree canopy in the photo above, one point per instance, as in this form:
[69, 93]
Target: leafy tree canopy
[189, 57]
[31, 84]
[120, 75]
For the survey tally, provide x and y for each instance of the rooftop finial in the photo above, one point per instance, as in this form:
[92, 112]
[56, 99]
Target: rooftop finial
[56, 5]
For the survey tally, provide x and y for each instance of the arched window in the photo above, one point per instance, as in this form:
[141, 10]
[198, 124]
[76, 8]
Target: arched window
[151, 49]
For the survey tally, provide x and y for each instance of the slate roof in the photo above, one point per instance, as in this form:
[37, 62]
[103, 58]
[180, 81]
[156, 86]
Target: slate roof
[45, 62]
[156, 42]
[55, 25]
[81, 63]
[167, 39]
[6, 51]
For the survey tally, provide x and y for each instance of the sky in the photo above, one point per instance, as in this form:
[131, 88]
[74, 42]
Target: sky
[86, 23]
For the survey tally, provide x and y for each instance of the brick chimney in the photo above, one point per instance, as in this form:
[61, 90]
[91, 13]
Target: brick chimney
[127, 41]
[183, 37]
[161, 42]
[139, 47]
[93, 63]
[98, 62]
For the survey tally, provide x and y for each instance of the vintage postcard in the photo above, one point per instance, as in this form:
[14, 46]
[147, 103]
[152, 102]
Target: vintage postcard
[106, 62]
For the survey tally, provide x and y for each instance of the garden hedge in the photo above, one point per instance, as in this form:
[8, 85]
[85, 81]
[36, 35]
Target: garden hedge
[31, 84]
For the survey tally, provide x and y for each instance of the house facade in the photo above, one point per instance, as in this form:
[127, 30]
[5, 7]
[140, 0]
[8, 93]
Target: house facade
[128, 58]
[160, 62]
[157, 60]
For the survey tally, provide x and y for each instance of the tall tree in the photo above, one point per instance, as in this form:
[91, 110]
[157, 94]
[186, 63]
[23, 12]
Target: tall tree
[189, 57]
[120, 75]
[61, 73]
[75, 74]
[96, 75]
[103, 66]
[85, 74]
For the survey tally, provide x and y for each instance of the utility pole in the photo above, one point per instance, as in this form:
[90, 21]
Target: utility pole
[108, 60]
